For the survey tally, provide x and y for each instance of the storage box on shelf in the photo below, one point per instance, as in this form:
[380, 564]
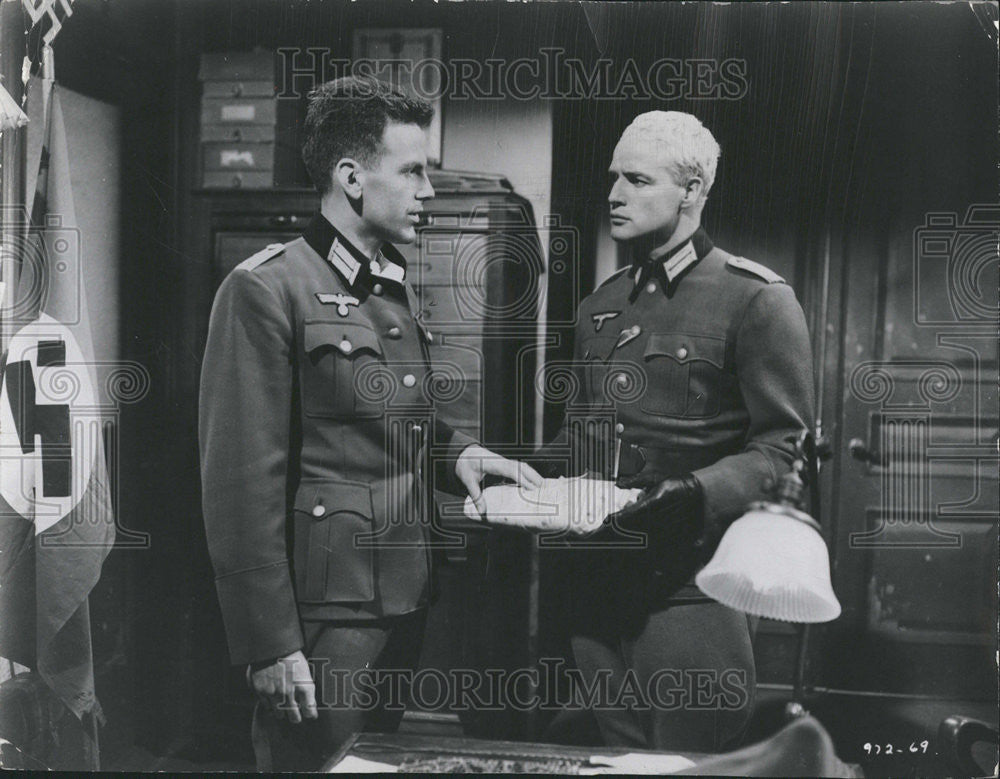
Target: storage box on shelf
[248, 134]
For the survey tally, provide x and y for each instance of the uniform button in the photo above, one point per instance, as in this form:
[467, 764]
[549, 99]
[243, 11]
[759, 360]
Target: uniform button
[619, 428]
[377, 289]
[319, 510]
[394, 332]
[635, 330]
[682, 353]
[409, 380]
[621, 378]
[417, 430]
[346, 346]
[651, 287]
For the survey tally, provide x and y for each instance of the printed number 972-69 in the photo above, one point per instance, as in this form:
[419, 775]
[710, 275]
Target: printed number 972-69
[890, 749]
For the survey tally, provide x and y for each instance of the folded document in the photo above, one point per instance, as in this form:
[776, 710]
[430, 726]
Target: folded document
[579, 505]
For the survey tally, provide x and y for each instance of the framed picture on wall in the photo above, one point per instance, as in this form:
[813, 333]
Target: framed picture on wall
[409, 58]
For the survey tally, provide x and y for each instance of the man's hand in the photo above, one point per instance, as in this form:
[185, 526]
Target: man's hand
[475, 463]
[287, 685]
[667, 507]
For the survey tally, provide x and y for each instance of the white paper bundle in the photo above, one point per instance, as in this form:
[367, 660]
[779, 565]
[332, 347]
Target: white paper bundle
[578, 505]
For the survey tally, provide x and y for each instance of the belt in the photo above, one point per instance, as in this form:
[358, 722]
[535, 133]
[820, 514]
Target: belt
[667, 460]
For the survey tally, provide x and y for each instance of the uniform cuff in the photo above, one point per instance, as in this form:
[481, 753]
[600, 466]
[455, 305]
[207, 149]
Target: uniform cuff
[260, 614]
[730, 485]
[445, 478]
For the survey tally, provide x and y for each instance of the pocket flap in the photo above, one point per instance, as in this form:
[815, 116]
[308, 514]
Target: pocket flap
[321, 499]
[685, 348]
[346, 337]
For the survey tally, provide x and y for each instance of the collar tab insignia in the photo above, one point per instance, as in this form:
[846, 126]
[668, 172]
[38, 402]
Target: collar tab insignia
[340, 258]
[676, 265]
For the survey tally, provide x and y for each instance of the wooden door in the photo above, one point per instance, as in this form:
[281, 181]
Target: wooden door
[909, 368]
[913, 490]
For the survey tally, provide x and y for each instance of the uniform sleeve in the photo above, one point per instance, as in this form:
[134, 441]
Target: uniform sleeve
[774, 369]
[452, 443]
[244, 417]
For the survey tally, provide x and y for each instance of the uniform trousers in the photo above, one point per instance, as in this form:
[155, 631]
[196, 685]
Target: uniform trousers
[351, 695]
[692, 671]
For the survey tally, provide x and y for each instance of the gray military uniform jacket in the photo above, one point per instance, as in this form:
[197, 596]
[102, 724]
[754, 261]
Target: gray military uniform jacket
[316, 420]
[702, 364]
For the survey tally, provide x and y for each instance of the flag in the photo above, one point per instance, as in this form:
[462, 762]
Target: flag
[56, 520]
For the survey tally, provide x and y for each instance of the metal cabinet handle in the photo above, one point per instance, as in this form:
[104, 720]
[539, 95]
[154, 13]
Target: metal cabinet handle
[862, 452]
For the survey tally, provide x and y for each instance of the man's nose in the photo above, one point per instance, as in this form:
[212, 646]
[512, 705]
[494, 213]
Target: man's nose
[614, 197]
[426, 191]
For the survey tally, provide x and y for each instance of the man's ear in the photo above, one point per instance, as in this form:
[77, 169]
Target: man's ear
[348, 173]
[692, 192]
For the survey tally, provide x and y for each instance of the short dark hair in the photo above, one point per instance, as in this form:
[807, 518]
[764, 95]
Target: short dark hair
[347, 118]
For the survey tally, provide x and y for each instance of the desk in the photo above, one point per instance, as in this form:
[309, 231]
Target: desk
[503, 756]
[801, 748]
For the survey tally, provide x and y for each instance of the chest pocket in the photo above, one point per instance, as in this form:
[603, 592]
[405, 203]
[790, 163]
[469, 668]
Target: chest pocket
[684, 375]
[340, 370]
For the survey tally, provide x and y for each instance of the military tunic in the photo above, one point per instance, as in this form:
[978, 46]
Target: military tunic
[316, 414]
[697, 363]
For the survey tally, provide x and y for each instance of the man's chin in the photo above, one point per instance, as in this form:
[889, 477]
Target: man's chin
[622, 232]
[405, 235]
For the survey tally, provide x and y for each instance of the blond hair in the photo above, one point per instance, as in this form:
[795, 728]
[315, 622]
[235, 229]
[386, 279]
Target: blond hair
[689, 147]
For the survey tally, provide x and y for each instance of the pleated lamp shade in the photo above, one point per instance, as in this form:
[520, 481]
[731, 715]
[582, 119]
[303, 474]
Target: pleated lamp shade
[772, 562]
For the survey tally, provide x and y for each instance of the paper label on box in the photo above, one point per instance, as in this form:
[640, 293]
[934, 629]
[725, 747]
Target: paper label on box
[231, 158]
[240, 112]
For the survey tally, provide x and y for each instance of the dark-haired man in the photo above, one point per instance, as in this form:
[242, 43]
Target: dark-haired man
[314, 429]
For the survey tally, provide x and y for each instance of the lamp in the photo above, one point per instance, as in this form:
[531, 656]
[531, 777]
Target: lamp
[772, 562]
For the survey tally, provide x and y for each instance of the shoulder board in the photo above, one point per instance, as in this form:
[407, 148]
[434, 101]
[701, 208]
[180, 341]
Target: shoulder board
[614, 276]
[756, 269]
[258, 259]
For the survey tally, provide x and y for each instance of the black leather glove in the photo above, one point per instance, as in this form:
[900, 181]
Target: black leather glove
[669, 510]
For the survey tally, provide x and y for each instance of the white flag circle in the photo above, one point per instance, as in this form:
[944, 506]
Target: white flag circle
[66, 383]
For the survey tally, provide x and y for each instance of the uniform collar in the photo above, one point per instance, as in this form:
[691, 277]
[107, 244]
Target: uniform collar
[674, 261]
[349, 261]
